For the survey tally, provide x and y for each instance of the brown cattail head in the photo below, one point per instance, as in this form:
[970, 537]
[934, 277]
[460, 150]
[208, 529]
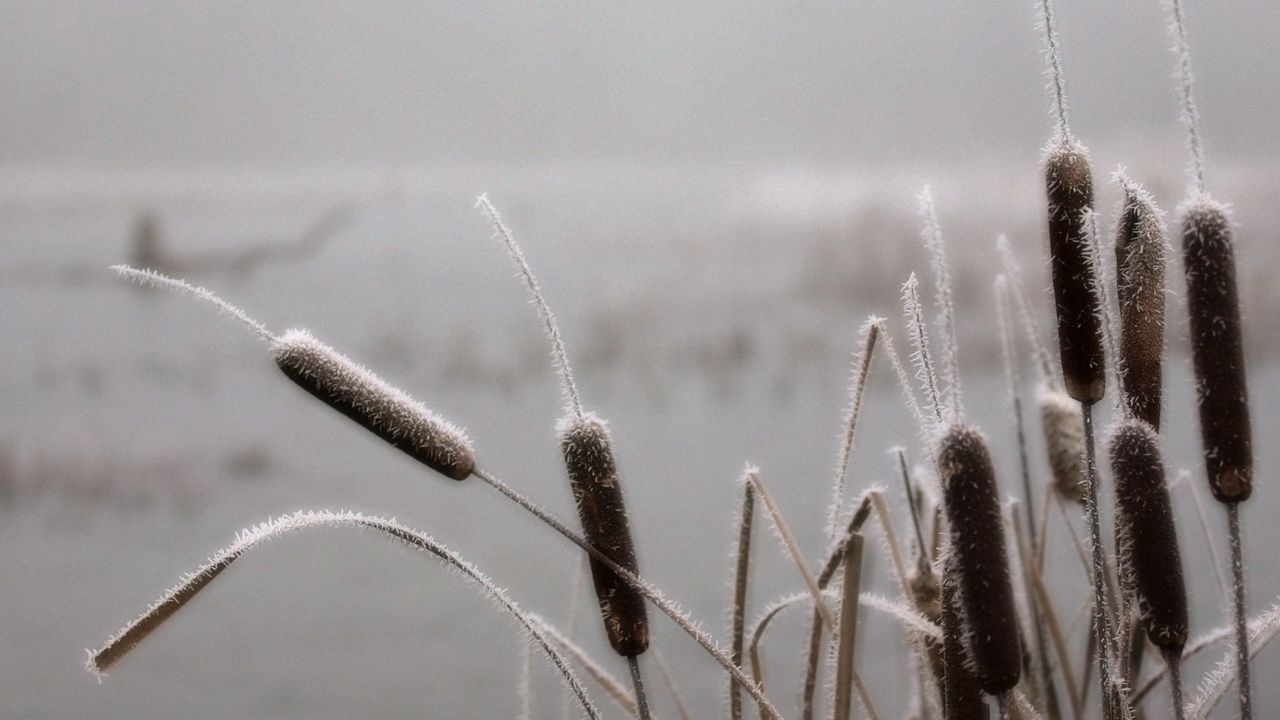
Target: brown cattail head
[1148, 546]
[962, 694]
[1140, 289]
[972, 503]
[588, 455]
[1063, 428]
[1216, 350]
[1070, 193]
[379, 407]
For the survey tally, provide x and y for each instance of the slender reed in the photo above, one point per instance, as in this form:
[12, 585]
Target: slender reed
[932, 235]
[850, 591]
[1024, 465]
[1216, 348]
[607, 682]
[790, 545]
[118, 645]
[920, 356]
[593, 475]
[1069, 189]
[652, 594]
[861, 369]
[742, 566]
[670, 682]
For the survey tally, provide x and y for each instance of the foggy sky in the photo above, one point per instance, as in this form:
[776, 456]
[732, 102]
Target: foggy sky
[168, 83]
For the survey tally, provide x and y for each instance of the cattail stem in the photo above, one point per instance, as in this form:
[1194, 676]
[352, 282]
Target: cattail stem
[1055, 69]
[907, 486]
[1101, 621]
[642, 702]
[741, 570]
[648, 591]
[544, 310]
[1241, 618]
[1190, 112]
[920, 355]
[1059, 642]
[1173, 661]
[933, 241]
[670, 682]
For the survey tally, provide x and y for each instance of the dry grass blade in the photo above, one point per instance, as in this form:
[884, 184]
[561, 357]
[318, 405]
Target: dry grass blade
[918, 331]
[178, 596]
[651, 593]
[1262, 630]
[607, 682]
[932, 234]
[791, 546]
[862, 368]
[1060, 647]
[850, 590]
[742, 567]
[671, 685]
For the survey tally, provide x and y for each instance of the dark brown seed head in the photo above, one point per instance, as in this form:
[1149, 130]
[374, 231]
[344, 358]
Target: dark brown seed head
[1140, 289]
[1148, 546]
[1070, 194]
[962, 694]
[588, 455]
[379, 407]
[972, 503]
[1216, 349]
[1063, 428]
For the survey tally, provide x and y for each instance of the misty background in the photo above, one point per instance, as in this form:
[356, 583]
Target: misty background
[713, 196]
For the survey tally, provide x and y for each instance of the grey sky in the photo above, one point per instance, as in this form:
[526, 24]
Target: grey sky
[167, 83]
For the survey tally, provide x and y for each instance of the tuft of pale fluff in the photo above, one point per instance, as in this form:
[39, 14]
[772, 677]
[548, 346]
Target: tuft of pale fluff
[1063, 428]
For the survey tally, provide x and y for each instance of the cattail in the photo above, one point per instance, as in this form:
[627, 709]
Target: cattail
[376, 405]
[1070, 192]
[1149, 547]
[926, 596]
[1216, 349]
[588, 455]
[972, 504]
[1140, 290]
[1063, 429]
[347, 387]
[962, 695]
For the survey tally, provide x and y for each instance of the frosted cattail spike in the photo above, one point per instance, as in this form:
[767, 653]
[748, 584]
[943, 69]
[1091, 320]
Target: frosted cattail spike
[1217, 351]
[961, 691]
[588, 455]
[972, 503]
[1141, 250]
[1149, 549]
[379, 407]
[1063, 428]
[1069, 185]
